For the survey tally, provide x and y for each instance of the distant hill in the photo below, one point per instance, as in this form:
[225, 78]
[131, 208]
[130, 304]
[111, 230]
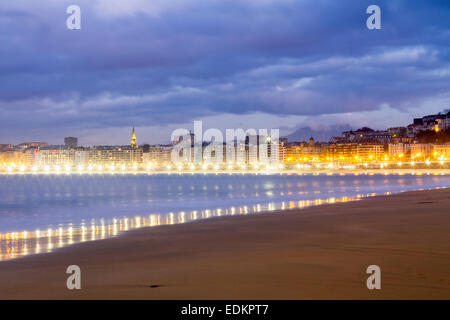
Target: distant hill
[322, 135]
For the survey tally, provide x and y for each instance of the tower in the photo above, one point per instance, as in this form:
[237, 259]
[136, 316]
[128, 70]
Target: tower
[133, 139]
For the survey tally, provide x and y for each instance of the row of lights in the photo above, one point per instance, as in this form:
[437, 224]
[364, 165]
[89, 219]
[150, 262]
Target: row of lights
[256, 166]
[67, 168]
[359, 159]
[192, 167]
[135, 167]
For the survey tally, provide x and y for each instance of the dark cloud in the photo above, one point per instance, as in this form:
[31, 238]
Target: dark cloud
[164, 62]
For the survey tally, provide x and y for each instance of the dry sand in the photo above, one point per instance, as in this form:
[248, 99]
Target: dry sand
[315, 253]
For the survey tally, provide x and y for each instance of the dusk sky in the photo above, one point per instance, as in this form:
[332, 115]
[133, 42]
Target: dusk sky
[161, 64]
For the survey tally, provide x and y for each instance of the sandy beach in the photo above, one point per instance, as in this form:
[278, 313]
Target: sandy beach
[316, 253]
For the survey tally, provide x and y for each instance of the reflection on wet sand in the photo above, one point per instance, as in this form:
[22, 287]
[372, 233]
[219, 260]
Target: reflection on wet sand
[19, 244]
[22, 243]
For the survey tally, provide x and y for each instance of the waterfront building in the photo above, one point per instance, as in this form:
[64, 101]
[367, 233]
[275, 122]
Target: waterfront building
[81, 157]
[344, 151]
[236, 153]
[18, 157]
[262, 149]
[421, 151]
[399, 150]
[51, 156]
[159, 154]
[115, 155]
[306, 151]
[366, 152]
[252, 149]
[442, 151]
[282, 149]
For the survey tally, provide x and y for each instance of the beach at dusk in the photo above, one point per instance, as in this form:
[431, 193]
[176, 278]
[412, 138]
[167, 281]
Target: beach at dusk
[315, 253]
[225, 159]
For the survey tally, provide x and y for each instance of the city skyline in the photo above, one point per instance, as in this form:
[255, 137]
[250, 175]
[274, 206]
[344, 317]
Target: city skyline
[424, 142]
[284, 64]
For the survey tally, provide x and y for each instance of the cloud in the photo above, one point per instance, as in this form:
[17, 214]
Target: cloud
[164, 63]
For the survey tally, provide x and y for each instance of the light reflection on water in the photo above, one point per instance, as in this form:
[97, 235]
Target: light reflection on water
[19, 244]
[39, 214]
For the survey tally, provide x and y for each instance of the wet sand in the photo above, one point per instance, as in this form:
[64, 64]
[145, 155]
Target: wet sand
[315, 253]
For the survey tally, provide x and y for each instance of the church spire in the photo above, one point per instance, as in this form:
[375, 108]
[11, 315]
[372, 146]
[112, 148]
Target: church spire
[133, 139]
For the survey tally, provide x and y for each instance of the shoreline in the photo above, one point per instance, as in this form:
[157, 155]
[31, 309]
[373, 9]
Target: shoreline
[324, 171]
[289, 254]
[117, 229]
